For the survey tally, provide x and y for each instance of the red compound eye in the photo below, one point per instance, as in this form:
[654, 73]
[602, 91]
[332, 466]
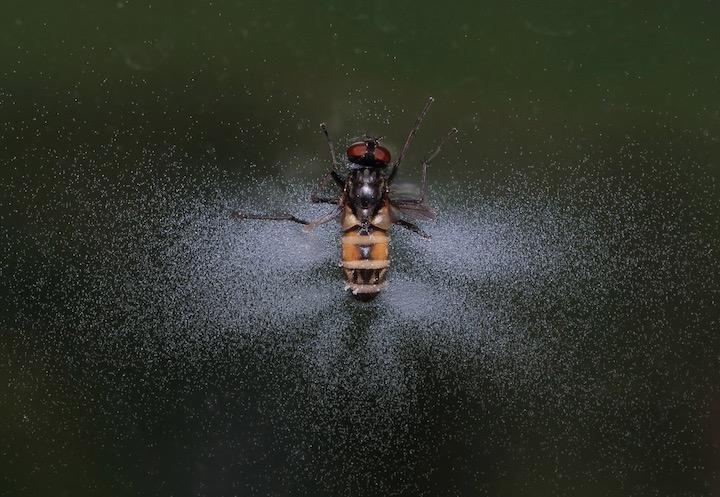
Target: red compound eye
[358, 154]
[356, 151]
[382, 155]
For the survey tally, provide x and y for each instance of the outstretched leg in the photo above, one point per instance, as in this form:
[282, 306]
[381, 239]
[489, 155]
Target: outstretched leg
[425, 164]
[333, 169]
[409, 139]
[309, 225]
[280, 217]
[413, 227]
[325, 219]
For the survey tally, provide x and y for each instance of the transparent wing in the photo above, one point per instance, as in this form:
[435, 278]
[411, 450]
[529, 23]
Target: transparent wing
[400, 209]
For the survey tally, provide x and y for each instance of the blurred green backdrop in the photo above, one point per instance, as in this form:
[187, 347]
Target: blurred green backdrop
[531, 85]
[249, 82]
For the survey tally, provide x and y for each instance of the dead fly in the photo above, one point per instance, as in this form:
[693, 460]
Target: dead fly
[366, 210]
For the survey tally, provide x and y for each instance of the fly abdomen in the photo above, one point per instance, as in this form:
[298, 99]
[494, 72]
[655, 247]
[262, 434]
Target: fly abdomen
[365, 262]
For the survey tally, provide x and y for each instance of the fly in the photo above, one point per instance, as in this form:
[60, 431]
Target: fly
[365, 209]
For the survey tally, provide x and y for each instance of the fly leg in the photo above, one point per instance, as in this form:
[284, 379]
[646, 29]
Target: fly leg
[425, 164]
[413, 227]
[417, 205]
[325, 219]
[339, 180]
[409, 139]
[279, 217]
[314, 198]
[309, 225]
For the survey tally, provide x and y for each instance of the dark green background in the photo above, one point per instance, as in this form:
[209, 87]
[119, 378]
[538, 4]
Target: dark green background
[628, 88]
[251, 80]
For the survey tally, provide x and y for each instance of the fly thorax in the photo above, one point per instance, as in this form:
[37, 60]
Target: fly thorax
[366, 190]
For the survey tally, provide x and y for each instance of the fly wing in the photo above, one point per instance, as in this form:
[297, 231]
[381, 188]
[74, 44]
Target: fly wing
[400, 209]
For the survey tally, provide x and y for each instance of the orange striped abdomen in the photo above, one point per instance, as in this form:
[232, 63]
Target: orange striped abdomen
[365, 260]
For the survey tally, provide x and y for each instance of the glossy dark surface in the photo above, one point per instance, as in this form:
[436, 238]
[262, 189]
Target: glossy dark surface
[558, 336]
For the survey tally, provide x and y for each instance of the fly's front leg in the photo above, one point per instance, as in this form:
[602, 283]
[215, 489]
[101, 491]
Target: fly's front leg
[413, 227]
[425, 164]
[333, 174]
[409, 140]
[339, 180]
